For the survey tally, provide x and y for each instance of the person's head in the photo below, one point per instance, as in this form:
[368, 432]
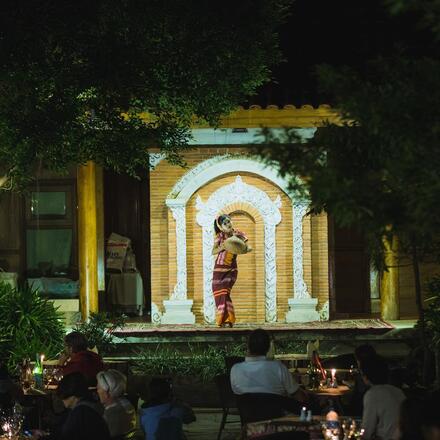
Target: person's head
[410, 419]
[72, 388]
[364, 351]
[160, 390]
[75, 342]
[111, 384]
[223, 223]
[374, 370]
[258, 342]
[431, 416]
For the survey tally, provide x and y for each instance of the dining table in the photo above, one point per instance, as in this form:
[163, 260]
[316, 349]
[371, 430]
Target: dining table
[292, 423]
[289, 423]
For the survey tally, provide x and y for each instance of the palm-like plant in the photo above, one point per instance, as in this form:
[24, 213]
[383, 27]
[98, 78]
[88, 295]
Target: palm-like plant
[29, 324]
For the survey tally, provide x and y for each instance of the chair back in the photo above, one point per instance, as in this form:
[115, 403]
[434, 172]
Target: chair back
[254, 407]
[227, 397]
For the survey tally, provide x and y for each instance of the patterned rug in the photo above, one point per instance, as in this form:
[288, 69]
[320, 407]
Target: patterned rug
[342, 324]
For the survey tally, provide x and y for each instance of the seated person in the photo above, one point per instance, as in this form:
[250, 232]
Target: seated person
[119, 413]
[361, 353]
[382, 401]
[9, 390]
[83, 420]
[258, 374]
[162, 416]
[78, 359]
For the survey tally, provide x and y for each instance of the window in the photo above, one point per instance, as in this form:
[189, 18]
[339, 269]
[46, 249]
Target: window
[51, 247]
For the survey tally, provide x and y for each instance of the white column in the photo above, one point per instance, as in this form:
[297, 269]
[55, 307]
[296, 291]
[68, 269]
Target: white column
[302, 307]
[178, 307]
[179, 215]
[270, 272]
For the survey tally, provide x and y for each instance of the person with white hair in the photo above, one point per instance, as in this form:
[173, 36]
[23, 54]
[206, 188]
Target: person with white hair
[119, 413]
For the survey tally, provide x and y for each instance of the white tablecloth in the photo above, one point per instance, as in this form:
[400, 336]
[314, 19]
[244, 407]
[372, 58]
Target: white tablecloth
[126, 291]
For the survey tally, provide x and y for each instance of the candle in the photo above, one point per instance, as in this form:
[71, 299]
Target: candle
[333, 374]
[303, 415]
[7, 429]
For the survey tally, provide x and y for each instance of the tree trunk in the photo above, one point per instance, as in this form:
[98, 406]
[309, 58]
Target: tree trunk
[419, 302]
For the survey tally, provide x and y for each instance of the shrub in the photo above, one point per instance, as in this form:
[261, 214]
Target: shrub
[29, 324]
[205, 362]
[99, 330]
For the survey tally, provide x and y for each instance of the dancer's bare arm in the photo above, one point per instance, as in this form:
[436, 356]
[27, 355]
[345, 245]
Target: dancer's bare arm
[217, 248]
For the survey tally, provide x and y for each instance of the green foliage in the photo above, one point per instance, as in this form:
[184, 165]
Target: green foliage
[75, 76]
[99, 330]
[378, 170]
[205, 362]
[29, 324]
[290, 346]
[432, 312]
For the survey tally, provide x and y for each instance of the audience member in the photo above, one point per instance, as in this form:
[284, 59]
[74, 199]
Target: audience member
[119, 413]
[162, 417]
[84, 420]
[431, 416]
[410, 420]
[361, 353]
[258, 374]
[9, 391]
[78, 359]
[381, 402]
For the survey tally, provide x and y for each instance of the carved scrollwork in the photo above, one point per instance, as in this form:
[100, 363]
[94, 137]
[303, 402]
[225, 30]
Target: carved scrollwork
[324, 312]
[155, 159]
[239, 191]
[156, 315]
[299, 286]
[191, 174]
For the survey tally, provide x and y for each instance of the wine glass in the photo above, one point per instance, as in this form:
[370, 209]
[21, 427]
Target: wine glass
[11, 422]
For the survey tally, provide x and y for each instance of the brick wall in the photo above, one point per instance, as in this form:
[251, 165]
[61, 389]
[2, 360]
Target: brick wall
[248, 292]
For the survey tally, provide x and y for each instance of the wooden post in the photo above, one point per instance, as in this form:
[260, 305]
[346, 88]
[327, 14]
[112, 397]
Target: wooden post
[87, 239]
[389, 298]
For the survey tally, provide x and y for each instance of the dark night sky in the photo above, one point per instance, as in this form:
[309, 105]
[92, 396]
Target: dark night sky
[339, 32]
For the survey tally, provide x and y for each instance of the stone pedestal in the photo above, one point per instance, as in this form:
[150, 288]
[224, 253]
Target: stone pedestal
[302, 310]
[178, 311]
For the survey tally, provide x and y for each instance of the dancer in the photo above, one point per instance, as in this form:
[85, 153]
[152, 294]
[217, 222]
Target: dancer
[225, 270]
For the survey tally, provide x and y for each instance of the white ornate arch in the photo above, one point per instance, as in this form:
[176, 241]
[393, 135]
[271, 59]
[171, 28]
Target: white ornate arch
[239, 191]
[204, 173]
[208, 170]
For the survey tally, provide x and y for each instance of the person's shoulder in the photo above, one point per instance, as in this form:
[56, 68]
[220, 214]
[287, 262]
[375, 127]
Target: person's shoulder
[155, 409]
[239, 366]
[276, 364]
[396, 391]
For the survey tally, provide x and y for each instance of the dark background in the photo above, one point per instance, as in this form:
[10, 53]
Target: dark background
[341, 32]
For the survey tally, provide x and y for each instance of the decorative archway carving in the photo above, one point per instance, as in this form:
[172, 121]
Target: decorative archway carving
[239, 191]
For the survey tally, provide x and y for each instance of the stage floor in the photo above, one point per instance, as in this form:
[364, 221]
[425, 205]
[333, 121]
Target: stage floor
[368, 325]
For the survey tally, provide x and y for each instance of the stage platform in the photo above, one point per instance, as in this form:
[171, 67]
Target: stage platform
[140, 329]
[335, 336]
